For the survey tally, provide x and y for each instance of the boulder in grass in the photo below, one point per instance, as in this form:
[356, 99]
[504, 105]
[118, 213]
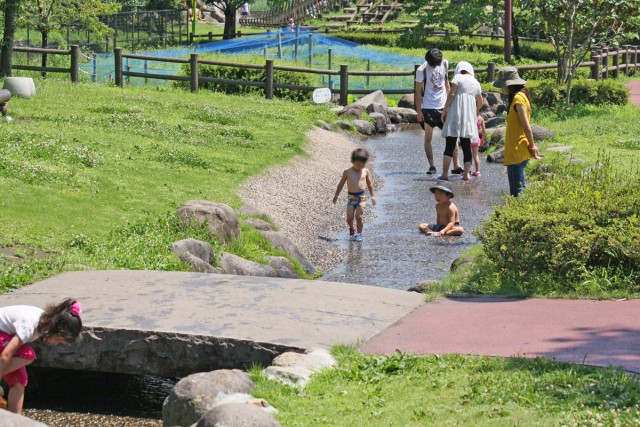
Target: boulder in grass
[380, 122]
[197, 394]
[399, 115]
[540, 133]
[250, 210]
[497, 156]
[495, 122]
[379, 108]
[233, 264]
[407, 101]
[365, 127]
[323, 125]
[280, 241]
[259, 224]
[220, 218]
[296, 369]
[353, 111]
[196, 253]
[237, 415]
[283, 267]
[422, 286]
[374, 97]
[344, 125]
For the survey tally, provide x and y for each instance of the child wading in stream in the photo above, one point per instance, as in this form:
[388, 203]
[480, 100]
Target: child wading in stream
[447, 216]
[358, 179]
[23, 324]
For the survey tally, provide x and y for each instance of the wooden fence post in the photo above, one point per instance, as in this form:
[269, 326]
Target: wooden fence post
[75, 54]
[195, 72]
[616, 63]
[310, 50]
[595, 68]
[344, 84]
[268, 83]
[210, 35]
[279, 45]
[330, 59]
[605, 63]
[117, 54]
[635, 60]
[491, 72]
[625, 59]
[295, 51]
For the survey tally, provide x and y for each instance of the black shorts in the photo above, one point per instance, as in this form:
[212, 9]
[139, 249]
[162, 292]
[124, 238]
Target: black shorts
[432, 117]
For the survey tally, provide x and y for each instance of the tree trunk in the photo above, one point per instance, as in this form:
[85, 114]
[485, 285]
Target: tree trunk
[515, 36]
[229, 22]
[45, 42]
[6, 54]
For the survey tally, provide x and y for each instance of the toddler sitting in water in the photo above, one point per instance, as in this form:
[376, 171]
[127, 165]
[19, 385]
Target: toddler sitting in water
[447, 216]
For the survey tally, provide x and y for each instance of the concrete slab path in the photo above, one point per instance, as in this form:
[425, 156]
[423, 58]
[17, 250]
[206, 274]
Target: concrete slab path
[598, 333]
[174, 323]
[634, 91]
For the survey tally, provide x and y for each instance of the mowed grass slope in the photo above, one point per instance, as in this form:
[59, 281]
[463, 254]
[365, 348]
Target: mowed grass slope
[87, 158]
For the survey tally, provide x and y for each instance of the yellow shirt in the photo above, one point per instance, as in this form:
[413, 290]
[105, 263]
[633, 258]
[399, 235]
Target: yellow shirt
[516, 144]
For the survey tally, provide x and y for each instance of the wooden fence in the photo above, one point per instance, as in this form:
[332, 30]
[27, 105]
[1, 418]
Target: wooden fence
[605, 63]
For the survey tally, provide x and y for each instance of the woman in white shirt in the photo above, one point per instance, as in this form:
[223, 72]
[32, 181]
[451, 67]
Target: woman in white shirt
[460, 117]
[23, 324]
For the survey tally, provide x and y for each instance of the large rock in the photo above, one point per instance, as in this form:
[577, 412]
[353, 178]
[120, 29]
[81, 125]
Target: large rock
[495, 122]
[197, 248]
[259, 224]
[282, 267]
[297, 368]
[220, 218]
[323, 125]
[421, 287]
[237, 415]
[9, 419]
[344, 125]
[250, 210]
[353, 111]
[280, 241]
[407, 101]
[399, 115]
[497, 156]
[495, 101]
[374, 97]
[380, 109]
[540, 133]
[197, 394]
[365, 127]
[462, 262]
[380, 122]
[232, 264]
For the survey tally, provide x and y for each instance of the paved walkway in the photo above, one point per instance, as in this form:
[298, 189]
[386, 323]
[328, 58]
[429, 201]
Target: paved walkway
[634, 91]
[579, 331]
[176, 323]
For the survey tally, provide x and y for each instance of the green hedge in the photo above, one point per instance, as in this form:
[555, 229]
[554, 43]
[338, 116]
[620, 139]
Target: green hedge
[571, 234]
[233, 73]
[548, 93]
[375, 39]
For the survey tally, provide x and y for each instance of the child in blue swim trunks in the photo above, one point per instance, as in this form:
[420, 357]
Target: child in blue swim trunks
[358, 180]
[447, 215]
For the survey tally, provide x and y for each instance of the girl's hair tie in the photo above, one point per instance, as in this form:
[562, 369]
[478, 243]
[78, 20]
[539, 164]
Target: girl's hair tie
[75, 309]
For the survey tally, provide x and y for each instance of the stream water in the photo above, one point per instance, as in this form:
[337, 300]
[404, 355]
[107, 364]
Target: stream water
[393, 255]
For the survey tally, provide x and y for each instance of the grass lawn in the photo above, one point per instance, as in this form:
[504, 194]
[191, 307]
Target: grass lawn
[403, 390]
[91, 172]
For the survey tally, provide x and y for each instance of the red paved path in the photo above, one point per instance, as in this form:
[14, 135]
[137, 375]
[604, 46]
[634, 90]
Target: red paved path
[634, 89]
[596, 332]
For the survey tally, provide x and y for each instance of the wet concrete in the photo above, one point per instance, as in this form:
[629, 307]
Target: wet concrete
[394, 254]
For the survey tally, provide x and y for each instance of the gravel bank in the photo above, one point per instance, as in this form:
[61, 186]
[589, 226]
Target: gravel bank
[298, 196]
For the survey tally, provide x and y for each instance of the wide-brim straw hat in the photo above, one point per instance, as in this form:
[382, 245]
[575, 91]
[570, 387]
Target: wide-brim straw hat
[442, 188]
[508, 76]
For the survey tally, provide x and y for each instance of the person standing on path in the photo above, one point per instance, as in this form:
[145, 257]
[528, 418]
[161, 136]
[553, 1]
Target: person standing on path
[430, 95]
[519, 145]
[460, 118]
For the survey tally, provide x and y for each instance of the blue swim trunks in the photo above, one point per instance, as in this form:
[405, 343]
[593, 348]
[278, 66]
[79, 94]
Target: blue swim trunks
[357, 199]
[438, 228]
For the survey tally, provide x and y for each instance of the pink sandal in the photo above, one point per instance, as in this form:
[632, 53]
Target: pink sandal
[475, 174]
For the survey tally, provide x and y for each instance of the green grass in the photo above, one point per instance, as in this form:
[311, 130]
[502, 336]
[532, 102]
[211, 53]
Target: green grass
[404, 390]
[108, 167]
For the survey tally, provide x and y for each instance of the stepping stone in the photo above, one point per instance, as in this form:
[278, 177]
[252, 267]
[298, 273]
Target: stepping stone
[561, 149]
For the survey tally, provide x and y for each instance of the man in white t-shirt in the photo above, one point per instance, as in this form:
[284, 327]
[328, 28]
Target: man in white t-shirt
[431, 93]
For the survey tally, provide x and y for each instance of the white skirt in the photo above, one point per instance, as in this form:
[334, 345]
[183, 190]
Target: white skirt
[462, 118]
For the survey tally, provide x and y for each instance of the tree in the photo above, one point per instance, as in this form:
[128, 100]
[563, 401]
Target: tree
[574, 26]
[230, 10]
[48, 15]
[10, 10]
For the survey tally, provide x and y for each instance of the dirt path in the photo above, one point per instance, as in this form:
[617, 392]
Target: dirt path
[634, 91]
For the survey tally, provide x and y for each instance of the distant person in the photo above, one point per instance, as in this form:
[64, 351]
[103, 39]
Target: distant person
[475, 145]
[23, 324]
[447, 215]
[358, 179]
[246, 9]
[460, 118]
[519, 145]
[292, 25]
[430, 96]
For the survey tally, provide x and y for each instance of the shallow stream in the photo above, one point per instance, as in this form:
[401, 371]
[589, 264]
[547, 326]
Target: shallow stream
[393, 255]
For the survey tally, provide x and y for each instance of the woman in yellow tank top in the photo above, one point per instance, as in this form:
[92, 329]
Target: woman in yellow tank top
[519, 145]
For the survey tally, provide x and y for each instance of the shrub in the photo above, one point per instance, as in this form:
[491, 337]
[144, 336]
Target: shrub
[375, 39]
[569, 234]
[548, 93]
[258, 75]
